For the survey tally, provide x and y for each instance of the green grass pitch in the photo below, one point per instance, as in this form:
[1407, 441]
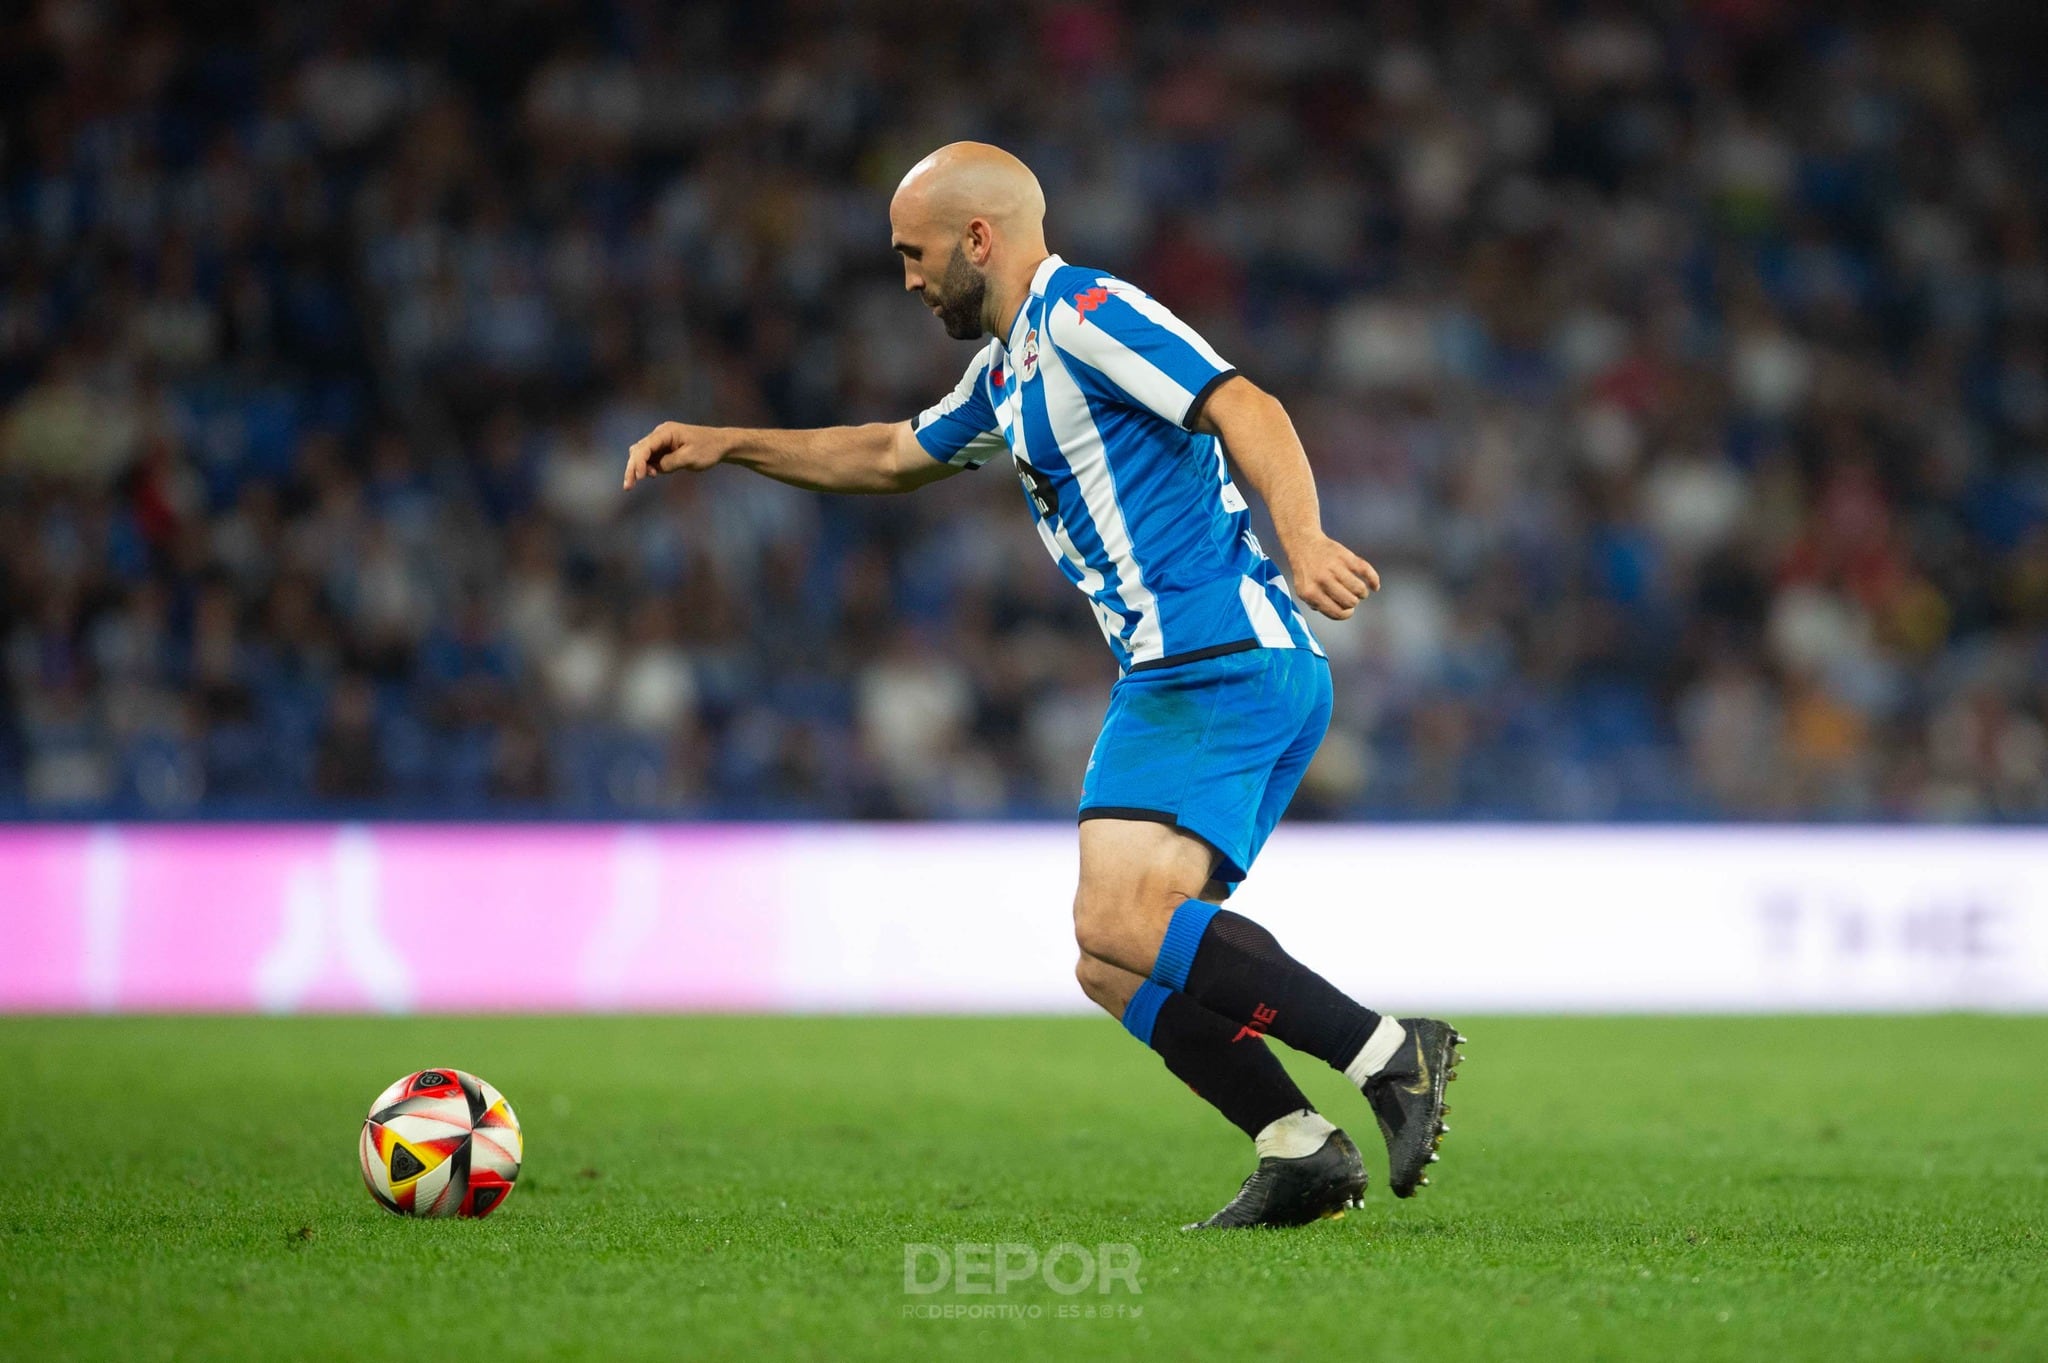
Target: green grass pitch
[1622, 1189]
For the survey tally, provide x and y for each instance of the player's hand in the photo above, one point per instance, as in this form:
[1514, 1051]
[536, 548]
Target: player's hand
[673, 447]
[1329, 578]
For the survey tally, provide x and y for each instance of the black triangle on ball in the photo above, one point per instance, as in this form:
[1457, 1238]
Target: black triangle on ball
[405, 1164]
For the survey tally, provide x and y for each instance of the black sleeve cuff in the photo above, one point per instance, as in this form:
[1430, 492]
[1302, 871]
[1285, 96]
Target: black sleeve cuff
[1195, 407]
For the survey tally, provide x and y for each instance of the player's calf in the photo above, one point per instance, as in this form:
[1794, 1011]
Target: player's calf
[1230, 968]
[1234, 967]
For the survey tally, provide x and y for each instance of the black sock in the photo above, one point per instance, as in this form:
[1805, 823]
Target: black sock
[1227, 1066]
[1238, 970]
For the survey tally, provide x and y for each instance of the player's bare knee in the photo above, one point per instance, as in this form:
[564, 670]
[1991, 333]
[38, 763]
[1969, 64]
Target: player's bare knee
[1087, 973]
[1125, 928]
[1097, 978]
[1097, 925]
[1109, 986]
[1110, 928]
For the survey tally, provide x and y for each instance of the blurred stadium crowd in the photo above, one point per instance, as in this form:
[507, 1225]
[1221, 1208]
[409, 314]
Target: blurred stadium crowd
[1683, 367]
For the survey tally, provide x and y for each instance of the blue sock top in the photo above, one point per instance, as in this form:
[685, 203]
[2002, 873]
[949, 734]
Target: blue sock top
[1183, 938]
[1142, 1012]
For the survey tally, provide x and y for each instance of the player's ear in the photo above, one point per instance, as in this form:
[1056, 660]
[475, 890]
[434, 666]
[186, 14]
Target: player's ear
[980, 242]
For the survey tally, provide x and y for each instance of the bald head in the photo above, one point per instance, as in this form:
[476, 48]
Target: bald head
[966, 180]
[969, 222]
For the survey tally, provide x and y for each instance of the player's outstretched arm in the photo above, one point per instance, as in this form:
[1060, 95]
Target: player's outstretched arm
[1259, 438]
[878, 457]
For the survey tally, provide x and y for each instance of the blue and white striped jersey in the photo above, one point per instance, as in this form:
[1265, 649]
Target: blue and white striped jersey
[1091, 393]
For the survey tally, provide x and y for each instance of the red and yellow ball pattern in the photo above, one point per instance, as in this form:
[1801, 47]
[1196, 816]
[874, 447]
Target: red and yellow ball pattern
[441, 1143]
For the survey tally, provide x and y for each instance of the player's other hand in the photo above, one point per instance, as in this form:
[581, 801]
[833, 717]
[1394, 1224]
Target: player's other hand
[673, 447]
[1329, 578]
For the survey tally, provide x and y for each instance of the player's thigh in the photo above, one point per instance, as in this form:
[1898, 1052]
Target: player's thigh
[1134, 874]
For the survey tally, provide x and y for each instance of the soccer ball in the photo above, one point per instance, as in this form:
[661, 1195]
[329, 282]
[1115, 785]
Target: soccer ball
[441, 1143]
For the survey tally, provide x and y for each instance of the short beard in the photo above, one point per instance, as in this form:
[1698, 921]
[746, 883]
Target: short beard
[963, 292]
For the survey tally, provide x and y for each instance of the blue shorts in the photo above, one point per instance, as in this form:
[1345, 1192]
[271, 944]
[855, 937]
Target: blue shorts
[1215, 747]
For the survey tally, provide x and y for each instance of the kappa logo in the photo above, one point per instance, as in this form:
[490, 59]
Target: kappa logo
[1088, 300]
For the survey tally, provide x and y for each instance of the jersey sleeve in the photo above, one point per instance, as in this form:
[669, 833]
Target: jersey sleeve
[960, 428]
[1149, 356]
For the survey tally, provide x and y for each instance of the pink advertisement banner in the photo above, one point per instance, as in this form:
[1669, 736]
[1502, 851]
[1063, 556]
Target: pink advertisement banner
[975, 918]
[342, 918]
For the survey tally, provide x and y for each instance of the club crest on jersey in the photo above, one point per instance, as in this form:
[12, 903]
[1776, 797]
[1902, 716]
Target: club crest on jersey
[1027, 363]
